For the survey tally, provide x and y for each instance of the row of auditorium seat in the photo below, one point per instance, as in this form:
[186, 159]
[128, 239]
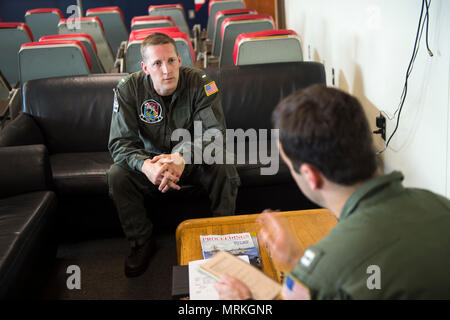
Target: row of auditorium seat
[239, 36]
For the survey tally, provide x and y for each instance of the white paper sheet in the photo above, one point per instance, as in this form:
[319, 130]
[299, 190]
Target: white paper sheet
[201, 286]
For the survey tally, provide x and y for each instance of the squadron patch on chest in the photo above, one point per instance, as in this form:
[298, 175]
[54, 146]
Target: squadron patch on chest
[151, 111]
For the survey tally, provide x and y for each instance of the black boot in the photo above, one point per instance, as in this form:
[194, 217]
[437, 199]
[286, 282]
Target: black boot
[137, 262]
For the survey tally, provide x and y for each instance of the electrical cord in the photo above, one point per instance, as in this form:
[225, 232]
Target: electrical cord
[425, 6]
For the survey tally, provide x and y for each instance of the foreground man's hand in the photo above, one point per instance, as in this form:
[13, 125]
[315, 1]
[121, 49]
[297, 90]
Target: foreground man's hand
[281, 241]
[230, 288]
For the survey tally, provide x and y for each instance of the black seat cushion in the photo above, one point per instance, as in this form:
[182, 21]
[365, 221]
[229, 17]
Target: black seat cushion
[84, 173]
[26, 238]
[81, 172]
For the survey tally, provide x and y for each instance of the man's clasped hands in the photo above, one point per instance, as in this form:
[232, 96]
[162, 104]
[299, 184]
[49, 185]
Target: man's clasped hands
[164, 170]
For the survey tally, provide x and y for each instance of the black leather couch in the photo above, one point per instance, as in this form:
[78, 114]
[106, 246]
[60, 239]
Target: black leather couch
[27, 221]
[71, 117]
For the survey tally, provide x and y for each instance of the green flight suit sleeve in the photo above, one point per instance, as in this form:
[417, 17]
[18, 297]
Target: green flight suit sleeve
[125, 145]
[208, 110]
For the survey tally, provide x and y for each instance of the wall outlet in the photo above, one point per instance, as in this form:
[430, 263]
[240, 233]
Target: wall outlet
[333, 78]
[380, 123]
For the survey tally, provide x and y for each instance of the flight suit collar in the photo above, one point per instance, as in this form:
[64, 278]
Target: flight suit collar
[372, 186]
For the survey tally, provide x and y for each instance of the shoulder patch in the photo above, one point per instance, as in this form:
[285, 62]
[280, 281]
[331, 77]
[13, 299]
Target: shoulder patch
[310, 258]
[211, 88]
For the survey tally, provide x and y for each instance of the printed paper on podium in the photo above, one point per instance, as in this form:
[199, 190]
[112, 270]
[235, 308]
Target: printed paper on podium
[201, 285]
[261, 286]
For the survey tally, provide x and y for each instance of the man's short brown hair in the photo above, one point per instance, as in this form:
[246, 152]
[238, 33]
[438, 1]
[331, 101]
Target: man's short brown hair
[156, 39]
[326, 128]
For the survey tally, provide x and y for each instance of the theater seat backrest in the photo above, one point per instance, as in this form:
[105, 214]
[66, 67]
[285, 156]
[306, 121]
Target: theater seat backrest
[113, 24]
[12, 36]
[220, 16]
[53, 58]
[146, 22]
[234, 26]
[43, 21]
[88, 43]
[94, 27]
[141, 34]
[216, 6]
[176, 11]
[270, 46]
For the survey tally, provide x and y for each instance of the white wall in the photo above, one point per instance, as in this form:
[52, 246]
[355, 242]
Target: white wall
[369, 44]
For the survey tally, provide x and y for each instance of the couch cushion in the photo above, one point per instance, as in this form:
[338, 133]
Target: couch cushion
[26, 221]
[81, 172]
[74, 113]
[85, 173]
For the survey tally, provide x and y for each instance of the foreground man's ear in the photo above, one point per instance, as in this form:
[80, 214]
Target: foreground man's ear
[311, 175]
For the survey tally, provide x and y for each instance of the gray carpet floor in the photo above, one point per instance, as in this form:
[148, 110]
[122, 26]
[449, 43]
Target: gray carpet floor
[101, 264]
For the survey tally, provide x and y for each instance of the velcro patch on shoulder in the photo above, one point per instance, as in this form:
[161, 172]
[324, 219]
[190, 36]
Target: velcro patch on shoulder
[310, 258]
[211, 88]
[123, 81]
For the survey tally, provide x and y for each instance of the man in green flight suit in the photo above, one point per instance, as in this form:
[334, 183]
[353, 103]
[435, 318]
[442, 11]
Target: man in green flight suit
[149, 106]
[391, 242]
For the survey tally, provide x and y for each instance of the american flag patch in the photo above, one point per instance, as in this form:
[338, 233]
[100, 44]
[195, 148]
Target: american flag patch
[211, 88]
[293, 290]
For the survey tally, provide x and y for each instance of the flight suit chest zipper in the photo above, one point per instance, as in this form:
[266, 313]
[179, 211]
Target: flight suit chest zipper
[168, 128]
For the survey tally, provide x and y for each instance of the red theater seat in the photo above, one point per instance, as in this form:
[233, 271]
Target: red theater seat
[220, 16]
[43, 21]
[71, 36]
[12, 36]
[88, 43]
[146, 22]
[216, 6]
[176, 11]
[94, 27]
[270, 46]
[113, 24]
[232, 27]
[53, 58]
[143, 33]
[19, 26]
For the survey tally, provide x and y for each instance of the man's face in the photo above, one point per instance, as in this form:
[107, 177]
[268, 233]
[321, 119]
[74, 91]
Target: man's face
[163, 65]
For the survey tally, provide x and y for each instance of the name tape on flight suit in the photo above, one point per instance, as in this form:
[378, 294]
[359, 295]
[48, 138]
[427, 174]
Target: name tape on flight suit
[116, 103]
[310, 258]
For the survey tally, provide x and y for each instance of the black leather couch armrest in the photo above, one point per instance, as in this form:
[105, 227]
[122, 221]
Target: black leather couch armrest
[24, 169]
[23, 130]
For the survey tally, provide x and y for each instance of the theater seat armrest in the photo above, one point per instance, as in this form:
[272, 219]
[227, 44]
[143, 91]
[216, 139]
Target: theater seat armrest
[24, 169]
[23, 130]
